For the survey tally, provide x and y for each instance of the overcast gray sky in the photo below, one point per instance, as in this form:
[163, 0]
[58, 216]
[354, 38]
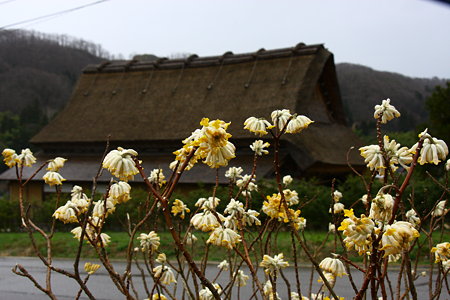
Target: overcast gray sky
[411, 37]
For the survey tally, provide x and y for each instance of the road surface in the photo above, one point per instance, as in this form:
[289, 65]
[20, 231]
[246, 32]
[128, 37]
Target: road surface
[13, 287]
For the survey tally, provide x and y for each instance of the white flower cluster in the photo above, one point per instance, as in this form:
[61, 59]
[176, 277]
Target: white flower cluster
[385, 111]
[395, 238]
[210, 144]
[433, 150]
[282, 120]
[332, 267]
[78, 204]
[120, 163]
[149, 242]
[157, 177]
[276, 209]
[27, 159]
[247, 184]
[272, 265]
[373, 156]
[398, 237]
[442, 254]
[91, 233]
[52, 177]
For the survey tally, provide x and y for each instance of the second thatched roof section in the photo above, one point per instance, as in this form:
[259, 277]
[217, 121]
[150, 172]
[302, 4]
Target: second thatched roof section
[163, 101]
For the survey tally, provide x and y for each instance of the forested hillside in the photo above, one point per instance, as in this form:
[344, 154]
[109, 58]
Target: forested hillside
[38, 68]
[37, 75]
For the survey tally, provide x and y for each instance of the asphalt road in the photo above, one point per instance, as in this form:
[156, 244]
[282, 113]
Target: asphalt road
[13, 287]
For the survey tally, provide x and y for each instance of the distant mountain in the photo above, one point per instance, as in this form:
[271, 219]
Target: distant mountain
[362, 88]
[39, 69]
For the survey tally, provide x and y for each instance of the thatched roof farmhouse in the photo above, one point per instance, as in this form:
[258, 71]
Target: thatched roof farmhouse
[152, 105]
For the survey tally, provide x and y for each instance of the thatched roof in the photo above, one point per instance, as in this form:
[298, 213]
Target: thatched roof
[160, 102]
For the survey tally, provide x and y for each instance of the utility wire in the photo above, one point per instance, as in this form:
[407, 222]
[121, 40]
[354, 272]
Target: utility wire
[6, 1]
[51, 15]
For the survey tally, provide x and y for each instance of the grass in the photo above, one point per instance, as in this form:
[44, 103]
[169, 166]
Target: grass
[65, 246]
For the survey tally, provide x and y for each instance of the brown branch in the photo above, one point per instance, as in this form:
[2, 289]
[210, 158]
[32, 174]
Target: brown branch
[23, 272]
[405, 183]
[166, 211]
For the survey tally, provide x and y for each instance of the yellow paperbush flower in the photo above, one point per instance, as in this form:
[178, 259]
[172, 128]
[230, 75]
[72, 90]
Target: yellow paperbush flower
[149, 241]
[373, 156]
[179, 207]
[207, 203]
[206, 221]
[79, 199]
[67, 213]
[274, 208]
[397, 155]
[91, 234]
[55, 164]
[100, 206]
[385, 111]
[120, 192]
[214, 146]
[291, 197]
[157, 177]
[441, 252]
[161, 258]
[439, 210]
[241, 278]
[224, 237]
[268, 291]
[258, 126]
[412, 217]
[259, 146]
[298, 123]
[164, 274]
[181, 156]
[91, 268]
[120, 163]
[272, 264]
[249, 181]
[190, 239]
[10, 157]
[53, 178]
[338, 208]
[223, 265]
[337, 196]
[158, 297]
[287, 180]
[433, 150]
[331, 278]
[381, 207]
[357, 231]
[234, 208]
[333, 265]
[26, 158]
[300, 223]
[206, 294]
[233, 173]
[210, 144]
[280, 117]
[398, 237]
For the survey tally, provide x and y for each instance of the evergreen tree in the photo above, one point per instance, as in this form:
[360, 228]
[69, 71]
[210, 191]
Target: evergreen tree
[438, 105]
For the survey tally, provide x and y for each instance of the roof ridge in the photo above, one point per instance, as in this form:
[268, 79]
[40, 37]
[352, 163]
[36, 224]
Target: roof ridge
[195, 61]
